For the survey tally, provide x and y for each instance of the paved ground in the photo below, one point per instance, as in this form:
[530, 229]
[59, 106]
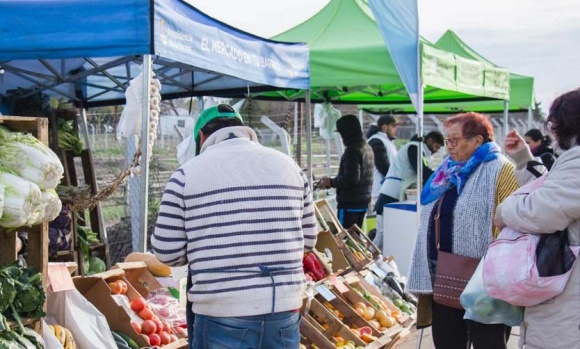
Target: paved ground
[410, 342]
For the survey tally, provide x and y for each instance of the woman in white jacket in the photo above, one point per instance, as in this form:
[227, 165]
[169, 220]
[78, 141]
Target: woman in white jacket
[555, 206]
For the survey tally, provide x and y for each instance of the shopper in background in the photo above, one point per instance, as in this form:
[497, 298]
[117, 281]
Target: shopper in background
[403, 173]
[380, 138]
[241, 216]
[540, 146]
[468, 184]
[554, 206]
[355, 173]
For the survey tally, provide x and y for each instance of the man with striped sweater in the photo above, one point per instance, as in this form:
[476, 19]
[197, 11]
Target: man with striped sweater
[241, 216]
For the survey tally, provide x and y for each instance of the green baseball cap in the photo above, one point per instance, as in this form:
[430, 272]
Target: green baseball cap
[209, 114]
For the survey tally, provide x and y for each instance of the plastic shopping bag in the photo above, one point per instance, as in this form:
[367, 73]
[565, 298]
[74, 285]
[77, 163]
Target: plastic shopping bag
[130, 121]
[480, 307]
[88, 325]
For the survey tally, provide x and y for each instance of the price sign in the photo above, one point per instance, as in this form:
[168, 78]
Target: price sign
[325, 292]
[338, 284]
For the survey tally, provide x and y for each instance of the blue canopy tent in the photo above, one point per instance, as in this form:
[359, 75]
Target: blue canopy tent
[88, 51]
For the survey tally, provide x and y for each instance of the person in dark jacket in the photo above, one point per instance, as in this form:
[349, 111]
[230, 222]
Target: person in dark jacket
[540, 146]
[355, 173]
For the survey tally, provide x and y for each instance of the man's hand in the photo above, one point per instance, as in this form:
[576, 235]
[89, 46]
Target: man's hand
[325, 183]
[514, 142]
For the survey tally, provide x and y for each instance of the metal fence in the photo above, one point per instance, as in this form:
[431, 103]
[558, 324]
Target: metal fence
[109, 154]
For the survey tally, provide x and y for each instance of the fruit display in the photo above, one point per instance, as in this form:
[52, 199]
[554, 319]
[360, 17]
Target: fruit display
[64, 336]
[144, 320]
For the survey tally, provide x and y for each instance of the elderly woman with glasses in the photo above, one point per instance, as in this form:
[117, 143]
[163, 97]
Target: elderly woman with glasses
[464, 192]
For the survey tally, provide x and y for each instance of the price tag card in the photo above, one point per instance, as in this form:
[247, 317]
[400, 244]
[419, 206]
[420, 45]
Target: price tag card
[338, 284]
[378, 271]
[59, 277]
[325, 292]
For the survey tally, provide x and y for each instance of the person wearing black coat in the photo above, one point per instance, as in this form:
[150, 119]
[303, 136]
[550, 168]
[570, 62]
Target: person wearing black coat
[540, 146]
[354, 180]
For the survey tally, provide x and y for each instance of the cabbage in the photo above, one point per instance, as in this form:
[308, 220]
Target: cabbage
[96, 265]
[27, 157]
[49, 207]
[1, 199]
[21, 200]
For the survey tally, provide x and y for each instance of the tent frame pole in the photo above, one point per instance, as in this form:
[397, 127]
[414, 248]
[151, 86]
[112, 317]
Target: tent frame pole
[308, 138]
[144, 177]
[506, 104]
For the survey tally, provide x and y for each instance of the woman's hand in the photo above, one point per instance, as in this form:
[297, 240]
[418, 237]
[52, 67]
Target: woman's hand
[514, 142]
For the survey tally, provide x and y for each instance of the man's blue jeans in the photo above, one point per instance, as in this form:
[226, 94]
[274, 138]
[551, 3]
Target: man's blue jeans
[277, 331]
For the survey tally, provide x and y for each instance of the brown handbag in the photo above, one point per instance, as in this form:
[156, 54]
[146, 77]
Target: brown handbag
[452, 272]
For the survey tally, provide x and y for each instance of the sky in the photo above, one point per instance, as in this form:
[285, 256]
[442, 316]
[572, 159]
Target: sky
[536, 38]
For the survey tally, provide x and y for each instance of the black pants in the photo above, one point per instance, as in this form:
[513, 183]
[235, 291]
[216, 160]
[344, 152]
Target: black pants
[450, 331]
[348, 218]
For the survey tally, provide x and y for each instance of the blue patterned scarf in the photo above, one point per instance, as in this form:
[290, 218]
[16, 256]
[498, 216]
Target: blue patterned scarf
[455, 173]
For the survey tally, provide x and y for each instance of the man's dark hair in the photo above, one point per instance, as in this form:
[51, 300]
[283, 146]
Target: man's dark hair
[436, 136]
[219, 123]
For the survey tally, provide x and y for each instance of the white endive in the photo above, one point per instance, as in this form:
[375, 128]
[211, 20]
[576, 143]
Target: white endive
[27, 157]
[21, 200]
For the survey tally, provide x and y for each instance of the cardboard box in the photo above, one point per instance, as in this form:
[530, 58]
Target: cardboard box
[96, 290]
[139, 277]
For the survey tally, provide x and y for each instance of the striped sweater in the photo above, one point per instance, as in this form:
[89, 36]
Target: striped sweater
[236, 208]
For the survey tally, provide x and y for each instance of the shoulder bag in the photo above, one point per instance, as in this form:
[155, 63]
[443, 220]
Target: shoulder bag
[452, 272]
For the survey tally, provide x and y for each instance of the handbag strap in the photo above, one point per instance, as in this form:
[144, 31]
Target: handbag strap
[437, 221]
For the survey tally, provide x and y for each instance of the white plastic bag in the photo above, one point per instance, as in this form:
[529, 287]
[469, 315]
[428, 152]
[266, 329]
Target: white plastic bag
[480, 307]
[325, 116]
[130, 121]
[50, 340]
[87, 324]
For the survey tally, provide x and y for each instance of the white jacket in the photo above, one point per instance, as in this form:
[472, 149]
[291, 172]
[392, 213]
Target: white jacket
[401, 174]
[555, 206]
[391, 154]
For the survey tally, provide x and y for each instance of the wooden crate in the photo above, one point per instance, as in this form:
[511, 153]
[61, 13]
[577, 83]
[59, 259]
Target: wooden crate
[352, 297]
[363, 239]
[326, 215]
[350, 317]
[353, 253]
[326, 241]
[360, 284]
[37, 254]
[323, 322]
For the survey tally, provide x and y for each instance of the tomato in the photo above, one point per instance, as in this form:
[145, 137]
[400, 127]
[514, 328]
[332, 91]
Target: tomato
[173, 338]
[166, 327]
[146, 338]
[136, 327]
[158, 324]
[154, 339]
[146, 314]
[116, 288]
[137, 304]
[148, 327]
[164, 337]
[123, 285]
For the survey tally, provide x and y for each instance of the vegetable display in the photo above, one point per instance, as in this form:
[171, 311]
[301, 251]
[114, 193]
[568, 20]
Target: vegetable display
[29, 172]
[21, 295]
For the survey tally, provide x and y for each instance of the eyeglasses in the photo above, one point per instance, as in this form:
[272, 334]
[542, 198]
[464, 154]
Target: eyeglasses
[453, 141]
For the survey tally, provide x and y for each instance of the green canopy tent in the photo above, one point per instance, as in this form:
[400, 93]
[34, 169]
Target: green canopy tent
[349, 63]
[521, 88]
